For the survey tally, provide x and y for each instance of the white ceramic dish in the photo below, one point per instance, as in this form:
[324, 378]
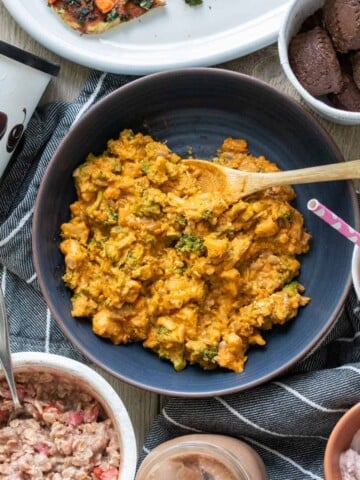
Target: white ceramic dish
[101, 391]
[166, 38]
[298, 11]
[355, 270]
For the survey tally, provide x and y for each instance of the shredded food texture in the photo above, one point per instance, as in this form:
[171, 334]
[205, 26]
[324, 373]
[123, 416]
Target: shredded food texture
[151, 258]
[64, 435]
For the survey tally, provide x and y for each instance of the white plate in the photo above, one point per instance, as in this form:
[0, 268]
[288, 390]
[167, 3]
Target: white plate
[175, 36]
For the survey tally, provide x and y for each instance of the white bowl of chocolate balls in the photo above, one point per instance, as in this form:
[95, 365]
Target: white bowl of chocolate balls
[319, 49]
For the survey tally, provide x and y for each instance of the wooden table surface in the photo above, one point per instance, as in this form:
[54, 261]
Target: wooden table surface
[144, 406]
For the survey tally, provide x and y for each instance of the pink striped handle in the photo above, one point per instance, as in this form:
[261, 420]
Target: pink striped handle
[334, 220]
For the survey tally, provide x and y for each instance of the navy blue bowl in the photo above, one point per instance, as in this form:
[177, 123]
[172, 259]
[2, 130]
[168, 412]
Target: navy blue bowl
[198, 108]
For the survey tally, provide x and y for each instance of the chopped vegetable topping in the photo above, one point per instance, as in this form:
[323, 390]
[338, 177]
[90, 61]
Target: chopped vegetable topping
[112, 15]
[190, 244]
[105, 6]
[210, 353]
[147, 4]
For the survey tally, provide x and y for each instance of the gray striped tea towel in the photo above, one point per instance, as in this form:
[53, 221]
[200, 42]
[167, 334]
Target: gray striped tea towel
[31, 324]
[287, 420]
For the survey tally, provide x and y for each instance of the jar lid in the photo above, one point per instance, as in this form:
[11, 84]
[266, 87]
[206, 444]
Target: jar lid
[28, 58]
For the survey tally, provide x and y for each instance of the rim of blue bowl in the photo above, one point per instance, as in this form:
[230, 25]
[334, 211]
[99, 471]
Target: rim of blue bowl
[36, 219]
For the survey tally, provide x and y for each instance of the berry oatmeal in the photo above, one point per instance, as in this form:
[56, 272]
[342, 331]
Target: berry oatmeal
[67, 434]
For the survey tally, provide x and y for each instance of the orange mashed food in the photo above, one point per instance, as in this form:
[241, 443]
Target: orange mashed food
[151, 258]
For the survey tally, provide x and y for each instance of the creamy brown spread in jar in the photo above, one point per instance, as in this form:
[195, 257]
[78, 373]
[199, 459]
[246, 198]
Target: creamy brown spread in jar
[192, 467]
[67, 434]
[202, 457]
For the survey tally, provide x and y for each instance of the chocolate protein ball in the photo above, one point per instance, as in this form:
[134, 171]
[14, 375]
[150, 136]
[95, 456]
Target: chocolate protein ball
[342, 21]
[314, 62]
[349, 96]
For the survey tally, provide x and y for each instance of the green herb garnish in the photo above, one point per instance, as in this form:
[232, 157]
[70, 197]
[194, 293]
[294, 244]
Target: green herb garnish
[112, 15]
[291, 288]
[210, 353]
[145, 167]
[82, 14]
[190, 244]
[75, 3]
[149, 209]
[147, 4]
[207, 214]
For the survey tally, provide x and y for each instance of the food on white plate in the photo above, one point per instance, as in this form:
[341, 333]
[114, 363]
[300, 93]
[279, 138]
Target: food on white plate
[98, 16]
[151, 258]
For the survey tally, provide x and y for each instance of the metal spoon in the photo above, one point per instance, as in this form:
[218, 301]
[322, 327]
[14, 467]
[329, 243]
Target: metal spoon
[5, 359]
[235, 184]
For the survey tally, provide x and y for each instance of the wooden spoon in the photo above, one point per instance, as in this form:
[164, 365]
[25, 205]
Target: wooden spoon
[235, 184]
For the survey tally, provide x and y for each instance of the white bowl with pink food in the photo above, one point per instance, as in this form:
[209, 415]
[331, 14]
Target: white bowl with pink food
[75, 427]
[342, 452]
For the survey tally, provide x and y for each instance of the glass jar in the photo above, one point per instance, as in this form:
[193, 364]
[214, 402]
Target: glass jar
[202, 457]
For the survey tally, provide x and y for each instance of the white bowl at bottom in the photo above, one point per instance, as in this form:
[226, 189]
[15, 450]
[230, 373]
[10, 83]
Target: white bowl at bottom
[95, 385]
